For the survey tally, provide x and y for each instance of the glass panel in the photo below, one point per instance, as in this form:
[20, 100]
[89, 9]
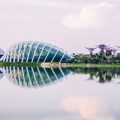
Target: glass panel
[47, 48]
[58, 56]
[38, 52]
[31, 53]
[40, 47]
[27, 51]
[21, 52]
[16, 53]
[66, 58]
[51, 55]
[44, 53]
[12, 54]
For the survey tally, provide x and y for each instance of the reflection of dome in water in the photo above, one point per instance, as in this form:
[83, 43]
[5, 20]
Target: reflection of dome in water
[35, 52]
[1, 52]
[1, 74]
[34, 77]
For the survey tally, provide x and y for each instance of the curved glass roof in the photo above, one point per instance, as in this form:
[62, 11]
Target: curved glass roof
[31, 51]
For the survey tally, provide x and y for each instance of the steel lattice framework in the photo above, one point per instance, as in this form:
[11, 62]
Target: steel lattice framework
[31, 51]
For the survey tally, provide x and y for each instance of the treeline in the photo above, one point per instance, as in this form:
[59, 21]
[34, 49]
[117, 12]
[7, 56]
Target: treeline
[95, 59]
[106, 55]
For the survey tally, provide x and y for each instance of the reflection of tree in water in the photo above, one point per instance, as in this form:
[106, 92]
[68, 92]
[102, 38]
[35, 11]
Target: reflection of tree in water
[103, 74]
[36, 76]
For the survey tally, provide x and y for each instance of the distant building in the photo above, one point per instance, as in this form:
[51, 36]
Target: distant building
[32, 51]
[1, 52]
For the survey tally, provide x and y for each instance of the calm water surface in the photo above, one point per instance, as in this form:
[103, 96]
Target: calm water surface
[59, 93]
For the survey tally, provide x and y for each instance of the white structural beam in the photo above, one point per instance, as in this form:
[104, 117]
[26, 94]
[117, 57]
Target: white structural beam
[41, 53]
[15, 51]
[29, 52]
[54, 55]
[35, 52]
[11, 51]
[62, 57]
[13, 54]
[3, 58]
[25, 45]
[7, 57]
[47, 54]
[19, 52]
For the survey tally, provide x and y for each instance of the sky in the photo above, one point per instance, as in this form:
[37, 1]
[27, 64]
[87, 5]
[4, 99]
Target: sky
[68, 24]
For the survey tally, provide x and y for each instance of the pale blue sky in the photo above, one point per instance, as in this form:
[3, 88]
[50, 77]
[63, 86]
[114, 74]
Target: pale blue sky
[68, 24]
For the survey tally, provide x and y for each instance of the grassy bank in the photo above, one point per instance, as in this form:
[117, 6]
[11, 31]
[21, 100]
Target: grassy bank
[94, 65]
[19, 64]
[34, 64]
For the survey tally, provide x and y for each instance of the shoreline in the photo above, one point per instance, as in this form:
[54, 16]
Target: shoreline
[67, 65]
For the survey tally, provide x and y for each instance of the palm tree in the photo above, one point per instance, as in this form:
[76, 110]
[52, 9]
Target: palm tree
[102, 48]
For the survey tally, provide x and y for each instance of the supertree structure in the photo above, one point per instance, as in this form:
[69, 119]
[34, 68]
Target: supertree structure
[102, 47]
[90, 50]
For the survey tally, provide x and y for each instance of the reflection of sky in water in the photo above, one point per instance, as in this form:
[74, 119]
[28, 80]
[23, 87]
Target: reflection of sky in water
[75, 98]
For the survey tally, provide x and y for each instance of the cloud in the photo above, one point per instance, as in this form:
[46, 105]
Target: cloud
[90, 108]
[90, 16]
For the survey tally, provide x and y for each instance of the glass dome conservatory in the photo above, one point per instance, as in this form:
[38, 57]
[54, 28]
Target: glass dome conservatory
[34, 52]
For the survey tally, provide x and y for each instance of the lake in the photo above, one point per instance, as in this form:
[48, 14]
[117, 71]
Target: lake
[34, 93]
